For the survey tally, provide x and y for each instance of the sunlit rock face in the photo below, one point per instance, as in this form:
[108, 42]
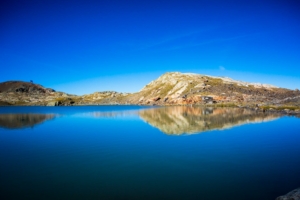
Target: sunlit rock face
[176, 88]
[188, 120]
[18, 121]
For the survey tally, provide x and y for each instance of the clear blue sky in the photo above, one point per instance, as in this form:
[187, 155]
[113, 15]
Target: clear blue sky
[81, 47]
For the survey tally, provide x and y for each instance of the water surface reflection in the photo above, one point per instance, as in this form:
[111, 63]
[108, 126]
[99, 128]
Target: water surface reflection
[170, 120]
[18, 121]
[183, 119]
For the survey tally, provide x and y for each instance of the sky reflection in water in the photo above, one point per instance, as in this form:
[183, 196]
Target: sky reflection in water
[120, 153]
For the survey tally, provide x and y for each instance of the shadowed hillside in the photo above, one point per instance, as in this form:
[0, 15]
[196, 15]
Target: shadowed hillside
[27, 93]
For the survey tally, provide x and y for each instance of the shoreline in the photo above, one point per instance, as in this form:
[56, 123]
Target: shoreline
[289, 110]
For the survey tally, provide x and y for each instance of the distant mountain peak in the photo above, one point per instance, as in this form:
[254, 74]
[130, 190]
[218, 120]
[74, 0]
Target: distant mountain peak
[227, 80]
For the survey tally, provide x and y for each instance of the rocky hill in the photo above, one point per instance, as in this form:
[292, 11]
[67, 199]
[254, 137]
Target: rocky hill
[106, 97]
[27, 93]
[169, 89]
[179, 88]
[23, 87]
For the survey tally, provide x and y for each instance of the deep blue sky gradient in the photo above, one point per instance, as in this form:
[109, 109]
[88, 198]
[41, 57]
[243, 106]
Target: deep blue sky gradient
[81, 47]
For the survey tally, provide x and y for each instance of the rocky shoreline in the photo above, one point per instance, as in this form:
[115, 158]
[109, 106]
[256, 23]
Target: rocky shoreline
[293, 195]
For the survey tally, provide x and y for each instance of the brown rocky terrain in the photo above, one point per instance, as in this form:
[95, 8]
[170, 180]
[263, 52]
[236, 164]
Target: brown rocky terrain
[169, 89]
[27, 93]
[21, 87]
[106, 97]
[178, 88]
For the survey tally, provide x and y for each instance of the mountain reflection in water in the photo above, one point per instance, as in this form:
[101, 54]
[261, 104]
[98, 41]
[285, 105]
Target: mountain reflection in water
[18, 121]
[112, 114]
[175, 120]
[189, 120]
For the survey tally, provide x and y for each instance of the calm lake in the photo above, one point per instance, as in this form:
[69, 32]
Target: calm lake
[132, 152]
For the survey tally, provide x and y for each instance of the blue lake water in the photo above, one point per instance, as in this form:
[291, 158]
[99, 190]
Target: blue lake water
[132, 152]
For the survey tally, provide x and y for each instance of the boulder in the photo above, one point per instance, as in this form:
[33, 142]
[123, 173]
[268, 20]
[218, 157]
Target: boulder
[156, 99]
[200, 85]
[207, 99]
[141, 99]
[293, 195]
[21, 89]
[52, 103]
[49, 90]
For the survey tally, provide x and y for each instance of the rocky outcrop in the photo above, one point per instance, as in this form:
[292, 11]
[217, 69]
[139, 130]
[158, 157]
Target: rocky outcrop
[23, 87]
[52, 103]
[293, 195]
[27, 93]
[186, 88]
[106, 98]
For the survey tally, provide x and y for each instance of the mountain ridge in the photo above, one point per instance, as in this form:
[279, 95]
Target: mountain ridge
[171, 88]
